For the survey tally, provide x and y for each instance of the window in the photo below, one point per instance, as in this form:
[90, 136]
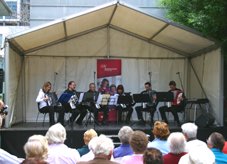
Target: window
[13, 6]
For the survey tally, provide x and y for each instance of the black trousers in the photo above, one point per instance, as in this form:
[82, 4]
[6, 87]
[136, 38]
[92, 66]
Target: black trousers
[96, 111]
[78, 111]
[140, 109]
[50, 110]
[173, 109]
[61, 113]
[128, 109]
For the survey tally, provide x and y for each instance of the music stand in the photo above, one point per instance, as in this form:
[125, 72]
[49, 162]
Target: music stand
[164, 96]
[127, 99]
[88, 98]
[141, 98]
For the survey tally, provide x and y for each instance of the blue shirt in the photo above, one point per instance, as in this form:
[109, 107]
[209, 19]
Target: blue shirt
[83, 150]
[122, 150]
[220, 157]
[161, 145]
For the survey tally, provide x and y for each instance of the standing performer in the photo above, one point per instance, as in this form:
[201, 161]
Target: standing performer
[149, 106]
[123, 107]
[44, 102]
[71, 93]
[177, 105]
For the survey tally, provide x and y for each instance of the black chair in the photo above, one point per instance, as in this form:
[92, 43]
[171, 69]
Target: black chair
[44, 113]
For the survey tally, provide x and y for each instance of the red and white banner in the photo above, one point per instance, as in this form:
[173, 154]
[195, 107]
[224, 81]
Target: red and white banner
[109, 69]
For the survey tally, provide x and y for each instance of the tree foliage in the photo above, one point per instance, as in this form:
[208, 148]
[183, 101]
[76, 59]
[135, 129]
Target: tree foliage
[206, 16]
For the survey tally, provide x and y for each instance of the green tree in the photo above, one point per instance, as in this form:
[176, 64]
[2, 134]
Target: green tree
[206, 16]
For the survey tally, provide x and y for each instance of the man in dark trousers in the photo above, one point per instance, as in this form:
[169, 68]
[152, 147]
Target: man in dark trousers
[70, 94]
[177, 105]
[149, 106]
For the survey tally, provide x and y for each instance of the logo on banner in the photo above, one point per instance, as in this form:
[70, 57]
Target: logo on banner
[109, 69]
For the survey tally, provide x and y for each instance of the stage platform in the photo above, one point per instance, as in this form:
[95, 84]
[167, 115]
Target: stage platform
[14, 138]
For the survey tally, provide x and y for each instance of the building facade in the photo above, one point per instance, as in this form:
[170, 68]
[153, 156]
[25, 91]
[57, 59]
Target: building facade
[45, 11]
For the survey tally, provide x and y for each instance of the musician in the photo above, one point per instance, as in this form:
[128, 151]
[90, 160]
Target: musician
[149, 106]
[113, 89]
[123, 107]
[44, 102]
[177, 105]
[94, 108]
[104, 88]
[77, 111]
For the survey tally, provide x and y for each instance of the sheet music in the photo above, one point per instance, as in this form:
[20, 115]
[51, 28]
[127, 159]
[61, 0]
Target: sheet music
[81, 97]
[103, 99]
[99, 99]
[113, 99]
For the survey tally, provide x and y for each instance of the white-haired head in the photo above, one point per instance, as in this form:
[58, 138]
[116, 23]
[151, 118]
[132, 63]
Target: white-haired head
[189, 130]
[36, 147]
[176, 142]
[56, 134]
[92, 143]
[124, 134]
[102, 145]
[198, 155]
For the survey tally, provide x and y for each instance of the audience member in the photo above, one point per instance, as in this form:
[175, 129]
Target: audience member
[198, 155]
[216, 143]
[34, 161]
[6, 157]
[152, 156]
[124, 149]
[190, 132]
[102, 149]
[36, 147]
[161, 133]
[224, 150]
[177, 145]
[138, 142]
[3, 113]
[90, 155]
[88, 135]
[59, 153]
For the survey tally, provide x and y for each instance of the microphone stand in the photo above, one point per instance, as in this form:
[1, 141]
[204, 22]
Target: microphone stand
[150, 74]
[180, 81]
[55, 76]
[94, 76]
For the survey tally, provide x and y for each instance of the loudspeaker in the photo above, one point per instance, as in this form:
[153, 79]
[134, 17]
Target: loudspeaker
[204, 120]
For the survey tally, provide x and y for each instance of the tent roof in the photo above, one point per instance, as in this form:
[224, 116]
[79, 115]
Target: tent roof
[4, 9]
[121, 17]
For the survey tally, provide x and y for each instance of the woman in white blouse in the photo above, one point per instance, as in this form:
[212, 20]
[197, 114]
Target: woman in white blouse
[44, 102]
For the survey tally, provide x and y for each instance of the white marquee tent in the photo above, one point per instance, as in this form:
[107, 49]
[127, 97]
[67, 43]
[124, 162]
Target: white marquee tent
[67, 49]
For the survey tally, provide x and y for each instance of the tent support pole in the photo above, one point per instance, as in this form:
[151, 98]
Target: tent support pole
[7, 86]
[197, 77]
[108, 42]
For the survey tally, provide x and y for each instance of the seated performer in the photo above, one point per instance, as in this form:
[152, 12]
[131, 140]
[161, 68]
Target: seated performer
[123, 107]
[45, 104]
[177, 105]
[149, 106]
[113, 89]
[75, 109]
[104, 88]
[93, 107]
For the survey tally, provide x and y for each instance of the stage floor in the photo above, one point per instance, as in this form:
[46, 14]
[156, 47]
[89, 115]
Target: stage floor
[14, 138]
